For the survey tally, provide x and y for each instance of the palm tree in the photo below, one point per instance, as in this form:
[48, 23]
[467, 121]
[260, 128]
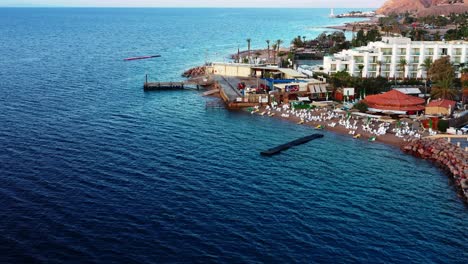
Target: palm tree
[303, 40]
[268, 43]
[274, 47]
[248, 47]
[444, 89]
[278, 44]
[426, 65]
[402, 64]
[360, 67]
[354, 29]
[379, 63]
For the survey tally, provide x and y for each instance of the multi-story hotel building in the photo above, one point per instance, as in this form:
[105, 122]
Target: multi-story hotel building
[385, 57]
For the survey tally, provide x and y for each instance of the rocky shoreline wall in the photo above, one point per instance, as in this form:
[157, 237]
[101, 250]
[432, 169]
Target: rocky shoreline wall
[195, 72]
[447, 156]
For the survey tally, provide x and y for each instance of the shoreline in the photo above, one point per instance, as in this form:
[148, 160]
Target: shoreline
[389, 139]
[348, 26]
[437, 151]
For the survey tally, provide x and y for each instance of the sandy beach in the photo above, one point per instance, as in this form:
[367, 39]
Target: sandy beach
[389, 138]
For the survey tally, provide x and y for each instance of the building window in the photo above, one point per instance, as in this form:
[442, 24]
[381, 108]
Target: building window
[387, 52]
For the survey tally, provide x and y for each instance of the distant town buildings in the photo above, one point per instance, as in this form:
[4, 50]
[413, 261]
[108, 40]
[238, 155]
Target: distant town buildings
[395, 57]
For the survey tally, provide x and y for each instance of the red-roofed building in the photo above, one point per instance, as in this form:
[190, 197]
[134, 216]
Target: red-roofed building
[440, 107]
[395, 101]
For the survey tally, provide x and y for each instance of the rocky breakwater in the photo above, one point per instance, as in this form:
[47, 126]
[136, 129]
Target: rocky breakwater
[195, 72]
[447, 156]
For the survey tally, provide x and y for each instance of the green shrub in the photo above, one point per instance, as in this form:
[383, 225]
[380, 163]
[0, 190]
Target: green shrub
[443, 125]
[361, 106]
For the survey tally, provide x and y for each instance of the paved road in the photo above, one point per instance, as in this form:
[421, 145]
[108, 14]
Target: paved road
[463, 142]
[229, 85]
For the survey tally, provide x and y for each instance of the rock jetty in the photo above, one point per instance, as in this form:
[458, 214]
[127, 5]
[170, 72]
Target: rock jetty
[194, 72]
[447, 156]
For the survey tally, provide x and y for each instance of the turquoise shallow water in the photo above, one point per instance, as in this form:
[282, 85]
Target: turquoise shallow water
[95, 170]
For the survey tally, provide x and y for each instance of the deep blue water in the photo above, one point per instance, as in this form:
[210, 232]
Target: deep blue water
[92, 169]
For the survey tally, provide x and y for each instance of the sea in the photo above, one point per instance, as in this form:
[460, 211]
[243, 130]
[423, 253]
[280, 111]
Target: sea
[95, 170]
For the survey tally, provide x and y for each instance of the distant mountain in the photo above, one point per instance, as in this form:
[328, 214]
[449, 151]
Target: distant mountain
[424, 7]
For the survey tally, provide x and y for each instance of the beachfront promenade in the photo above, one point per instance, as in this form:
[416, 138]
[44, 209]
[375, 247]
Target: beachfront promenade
[459, 140]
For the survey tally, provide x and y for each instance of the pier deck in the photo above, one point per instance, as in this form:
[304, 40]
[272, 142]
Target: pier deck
[229, 84]
[156, 86]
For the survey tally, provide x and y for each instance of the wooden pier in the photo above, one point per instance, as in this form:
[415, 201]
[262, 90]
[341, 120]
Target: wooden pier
[157, 86]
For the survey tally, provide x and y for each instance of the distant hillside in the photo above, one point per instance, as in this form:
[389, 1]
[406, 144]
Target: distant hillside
[424, 7]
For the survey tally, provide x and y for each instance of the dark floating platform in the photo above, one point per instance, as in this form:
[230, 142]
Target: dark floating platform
[142, 58]
[300, 141]
[157, 86]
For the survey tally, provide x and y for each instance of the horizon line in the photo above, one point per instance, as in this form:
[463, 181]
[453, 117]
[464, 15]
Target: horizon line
[184, 7]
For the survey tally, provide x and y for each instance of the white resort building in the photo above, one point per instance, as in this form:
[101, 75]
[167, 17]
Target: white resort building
[385, 57]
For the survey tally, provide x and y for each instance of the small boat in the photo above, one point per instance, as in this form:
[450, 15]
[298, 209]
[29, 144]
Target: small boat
[142, 58]
[272, 114]
[372, 139]
[262, 113]
[357, 136]
[300, 122]
[319, 127]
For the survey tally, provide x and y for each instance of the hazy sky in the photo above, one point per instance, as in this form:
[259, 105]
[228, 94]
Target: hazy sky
[197, 3]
